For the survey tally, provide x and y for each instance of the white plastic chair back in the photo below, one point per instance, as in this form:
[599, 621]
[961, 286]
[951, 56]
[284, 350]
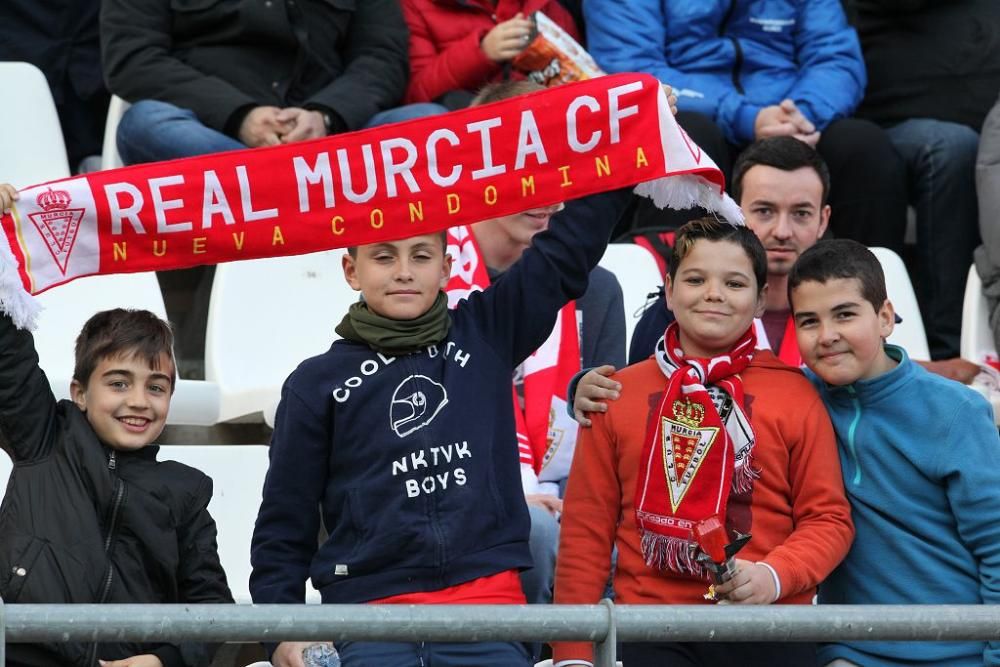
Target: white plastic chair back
[6, 465]
[69, 306]
[264, 318]
[910, 333]
[977, 338]
[237, 473]
[110, 159]
[638, 275]
[32, 149]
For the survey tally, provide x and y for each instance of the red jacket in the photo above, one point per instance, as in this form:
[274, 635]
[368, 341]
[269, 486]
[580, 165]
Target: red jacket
[445, 37]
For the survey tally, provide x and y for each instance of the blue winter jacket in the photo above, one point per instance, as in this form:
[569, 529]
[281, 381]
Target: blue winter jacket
[412, 460]
[728, 59]
[921, 462]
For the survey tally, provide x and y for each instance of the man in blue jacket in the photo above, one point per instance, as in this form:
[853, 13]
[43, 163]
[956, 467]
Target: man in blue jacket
[746, 70]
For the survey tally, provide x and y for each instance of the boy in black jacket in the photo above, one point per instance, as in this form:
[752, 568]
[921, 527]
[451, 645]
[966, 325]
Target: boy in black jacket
[90, 516]
[401, 439]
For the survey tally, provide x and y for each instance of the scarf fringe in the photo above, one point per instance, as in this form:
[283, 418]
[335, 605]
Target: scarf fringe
[15, 301]
[744, 477]
[670, 553]
[690, 191]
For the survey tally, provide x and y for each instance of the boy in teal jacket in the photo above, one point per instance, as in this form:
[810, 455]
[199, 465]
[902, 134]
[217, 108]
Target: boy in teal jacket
[920, 456]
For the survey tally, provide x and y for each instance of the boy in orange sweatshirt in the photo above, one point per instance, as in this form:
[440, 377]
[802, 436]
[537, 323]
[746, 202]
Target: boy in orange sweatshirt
[708, 425]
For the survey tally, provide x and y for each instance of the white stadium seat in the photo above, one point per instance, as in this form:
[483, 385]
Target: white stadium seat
[237, 472]
[68, 306]
[110, 159]
[909, 334]
[977, 338]
[32, 149]
[265, 317]
[638, 275]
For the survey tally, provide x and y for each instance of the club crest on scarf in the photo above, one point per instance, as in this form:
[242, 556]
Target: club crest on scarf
[704, 442]
[687, 448]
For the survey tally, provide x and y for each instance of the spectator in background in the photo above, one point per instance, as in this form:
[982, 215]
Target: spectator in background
[206, 77]
[744, 71]
[988, 190]
[933, 73]
[59, 37]
[458, 46]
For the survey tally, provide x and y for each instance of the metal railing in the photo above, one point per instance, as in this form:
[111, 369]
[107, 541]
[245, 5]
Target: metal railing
[602, 624]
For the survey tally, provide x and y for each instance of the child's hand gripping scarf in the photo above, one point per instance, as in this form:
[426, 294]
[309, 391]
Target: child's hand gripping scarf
[698, 457]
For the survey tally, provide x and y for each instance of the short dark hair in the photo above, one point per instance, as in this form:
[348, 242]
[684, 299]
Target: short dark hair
[784, 153]
[711, 229]
[495, 92]
[841, 258]
[123, 332]
[353, 250]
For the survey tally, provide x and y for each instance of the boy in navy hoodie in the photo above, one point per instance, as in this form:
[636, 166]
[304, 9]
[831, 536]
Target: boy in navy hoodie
[400, 439]
[920, 455]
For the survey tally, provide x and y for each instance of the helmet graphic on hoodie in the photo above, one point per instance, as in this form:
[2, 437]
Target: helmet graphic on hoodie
[415, 403]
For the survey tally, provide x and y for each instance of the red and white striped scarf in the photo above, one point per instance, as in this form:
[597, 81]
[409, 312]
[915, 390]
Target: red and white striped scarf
[547, 371]
[698, 458]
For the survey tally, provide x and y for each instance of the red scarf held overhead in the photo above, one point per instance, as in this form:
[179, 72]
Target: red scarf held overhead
[384, 183]
[546, 373]
[698, 458]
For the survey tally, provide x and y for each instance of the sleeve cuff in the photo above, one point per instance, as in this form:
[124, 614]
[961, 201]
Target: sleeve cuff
[777, 581]
[746, 118]
[529, 480]
[571, 394]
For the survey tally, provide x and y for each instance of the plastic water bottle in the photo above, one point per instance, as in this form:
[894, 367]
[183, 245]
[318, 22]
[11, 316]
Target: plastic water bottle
[320, 655]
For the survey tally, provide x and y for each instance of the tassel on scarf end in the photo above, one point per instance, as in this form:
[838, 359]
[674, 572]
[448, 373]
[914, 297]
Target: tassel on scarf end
[15, 301]
[686, 191]
[670, 553]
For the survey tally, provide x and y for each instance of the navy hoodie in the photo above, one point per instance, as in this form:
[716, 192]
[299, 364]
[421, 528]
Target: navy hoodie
[413, 459]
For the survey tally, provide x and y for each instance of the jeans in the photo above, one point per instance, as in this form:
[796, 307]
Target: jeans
[151, 131]
[427, 654]
[940, 162]
[543, 542]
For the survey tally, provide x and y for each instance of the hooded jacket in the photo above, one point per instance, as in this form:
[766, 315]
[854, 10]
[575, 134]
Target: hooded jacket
[82, 523]
[728, 59]
[413, 459]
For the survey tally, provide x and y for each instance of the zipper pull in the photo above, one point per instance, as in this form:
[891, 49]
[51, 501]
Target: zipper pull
[112, 461]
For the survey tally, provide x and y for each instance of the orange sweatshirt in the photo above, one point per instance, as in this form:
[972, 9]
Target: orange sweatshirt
[801, 523]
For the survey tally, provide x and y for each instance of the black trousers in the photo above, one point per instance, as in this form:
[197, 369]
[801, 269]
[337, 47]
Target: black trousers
[868, 181]
[744, 654]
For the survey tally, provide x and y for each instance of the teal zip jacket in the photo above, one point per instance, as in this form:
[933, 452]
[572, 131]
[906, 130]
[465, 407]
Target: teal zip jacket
[921, 462]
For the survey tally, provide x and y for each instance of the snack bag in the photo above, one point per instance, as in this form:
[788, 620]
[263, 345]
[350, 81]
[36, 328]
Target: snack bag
[552, 57]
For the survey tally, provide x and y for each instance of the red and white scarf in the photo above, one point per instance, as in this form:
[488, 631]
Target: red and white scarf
[698, 458]
[541, 433]
[384, 183]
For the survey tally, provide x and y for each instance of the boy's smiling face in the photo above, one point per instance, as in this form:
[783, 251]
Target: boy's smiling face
[714, 297]
[399, 279]
[840, 334]
[126, 401]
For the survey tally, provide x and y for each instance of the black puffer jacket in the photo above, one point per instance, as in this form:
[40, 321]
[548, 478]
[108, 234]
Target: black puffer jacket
[218, 57]
[81, 523]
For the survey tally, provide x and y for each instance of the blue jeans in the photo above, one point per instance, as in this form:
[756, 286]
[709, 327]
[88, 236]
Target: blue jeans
[151, 131]
[543, 542]
[426, 654]
[940, 162]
